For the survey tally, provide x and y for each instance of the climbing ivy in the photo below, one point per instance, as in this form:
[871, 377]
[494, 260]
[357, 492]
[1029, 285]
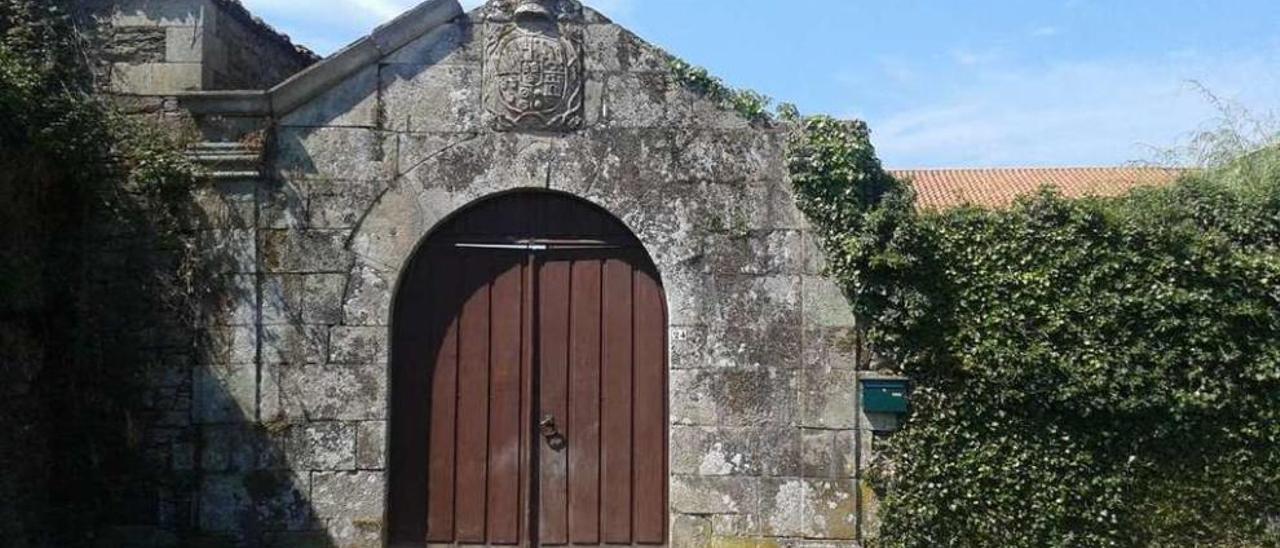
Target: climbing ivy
[1093, 372]
[752, 105]
[96, 258]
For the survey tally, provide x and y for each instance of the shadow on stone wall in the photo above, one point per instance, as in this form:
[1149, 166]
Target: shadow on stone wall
[107, 347]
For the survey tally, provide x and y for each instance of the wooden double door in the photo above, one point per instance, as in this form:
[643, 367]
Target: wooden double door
[529, 389]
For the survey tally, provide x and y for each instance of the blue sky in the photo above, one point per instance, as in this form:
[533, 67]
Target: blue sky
[948, 83]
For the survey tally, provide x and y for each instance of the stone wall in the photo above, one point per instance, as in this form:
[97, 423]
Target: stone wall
[162, 47]
[241, 52]
[289, 394]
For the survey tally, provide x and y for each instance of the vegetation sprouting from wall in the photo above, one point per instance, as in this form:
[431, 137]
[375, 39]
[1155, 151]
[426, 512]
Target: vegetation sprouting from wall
[1094, 372]
[96, 271]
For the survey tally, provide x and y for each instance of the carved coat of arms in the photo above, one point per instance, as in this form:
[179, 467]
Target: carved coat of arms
[533, 69]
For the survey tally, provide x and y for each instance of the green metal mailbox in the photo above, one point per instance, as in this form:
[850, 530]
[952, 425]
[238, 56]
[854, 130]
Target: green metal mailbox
[888, 396]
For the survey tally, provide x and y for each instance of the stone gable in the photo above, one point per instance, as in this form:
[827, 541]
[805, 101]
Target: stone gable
[370, 150]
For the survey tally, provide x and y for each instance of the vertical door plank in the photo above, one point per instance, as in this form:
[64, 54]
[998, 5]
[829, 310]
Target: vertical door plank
[584, 404]
[553, 357]
[473, 401]
[528, 383]
[504, 403]
[444, 398]
[650, 412]
[615, 484]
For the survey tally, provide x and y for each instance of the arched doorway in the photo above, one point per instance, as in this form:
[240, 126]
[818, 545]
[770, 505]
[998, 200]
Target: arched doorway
[529, 381]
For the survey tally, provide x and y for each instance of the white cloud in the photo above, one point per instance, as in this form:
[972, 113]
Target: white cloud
[969, 58]
[1073, 113]
[1045, 32]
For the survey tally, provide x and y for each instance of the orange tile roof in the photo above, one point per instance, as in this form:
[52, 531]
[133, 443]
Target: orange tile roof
[940, 189]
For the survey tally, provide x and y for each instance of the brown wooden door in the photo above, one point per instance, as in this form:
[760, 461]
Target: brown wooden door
[529, 402]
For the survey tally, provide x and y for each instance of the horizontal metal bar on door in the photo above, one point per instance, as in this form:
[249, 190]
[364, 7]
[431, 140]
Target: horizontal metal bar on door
[558, 246]
[508, 247]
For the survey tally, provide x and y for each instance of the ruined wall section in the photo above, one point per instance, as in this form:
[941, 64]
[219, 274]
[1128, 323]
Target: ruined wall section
[172, 46]
[243, 52]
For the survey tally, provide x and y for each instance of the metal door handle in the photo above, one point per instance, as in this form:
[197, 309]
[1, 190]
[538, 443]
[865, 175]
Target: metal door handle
[548, 427]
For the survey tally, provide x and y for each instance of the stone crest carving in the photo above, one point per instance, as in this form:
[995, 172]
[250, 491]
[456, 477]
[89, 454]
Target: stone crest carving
[533, 65]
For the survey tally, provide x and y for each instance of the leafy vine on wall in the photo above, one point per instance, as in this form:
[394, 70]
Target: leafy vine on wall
[1089, 372]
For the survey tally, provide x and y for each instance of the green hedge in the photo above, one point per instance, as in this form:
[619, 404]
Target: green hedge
[1096, 372]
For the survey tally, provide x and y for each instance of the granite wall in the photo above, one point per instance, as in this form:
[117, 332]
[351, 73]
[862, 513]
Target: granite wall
[158, 47]
[289, 401]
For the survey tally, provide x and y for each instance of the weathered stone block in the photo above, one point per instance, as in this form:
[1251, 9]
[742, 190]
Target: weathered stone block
[320, 446]
[358, 345]
[713, 451]
[831, 348]
[688, 347]
[776, 345]
[184, 44]
[746, 208]
[225, 205]
[736, 530]
[815, 260]
[690, 108]
[691, 402]
[294, 344]
[371, 445]
[635, 100]
[254, 501]
[136, 45]
[782, 507]
[311, 299]
[689, 303]
[455, 43]
[351, 103]
[741, 156]
[610, 48]
[735, 249]
[714, 495]
[229, 448]
[341, 204]
[368, 297]
[225, 393]
[156, 78]
[350, 504]
[355, 154]
[306, 251]
[334, 392]
[755, 302]
[825, 304]
[233, 302]
[829, 454]
[282, 206]
[691, 531]
[832, 511]
[830, 399]
[733, 397]
[628, 164]
[421, 98]
[282, 296]
[778, 450]
[322, 301]
[228, 251]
